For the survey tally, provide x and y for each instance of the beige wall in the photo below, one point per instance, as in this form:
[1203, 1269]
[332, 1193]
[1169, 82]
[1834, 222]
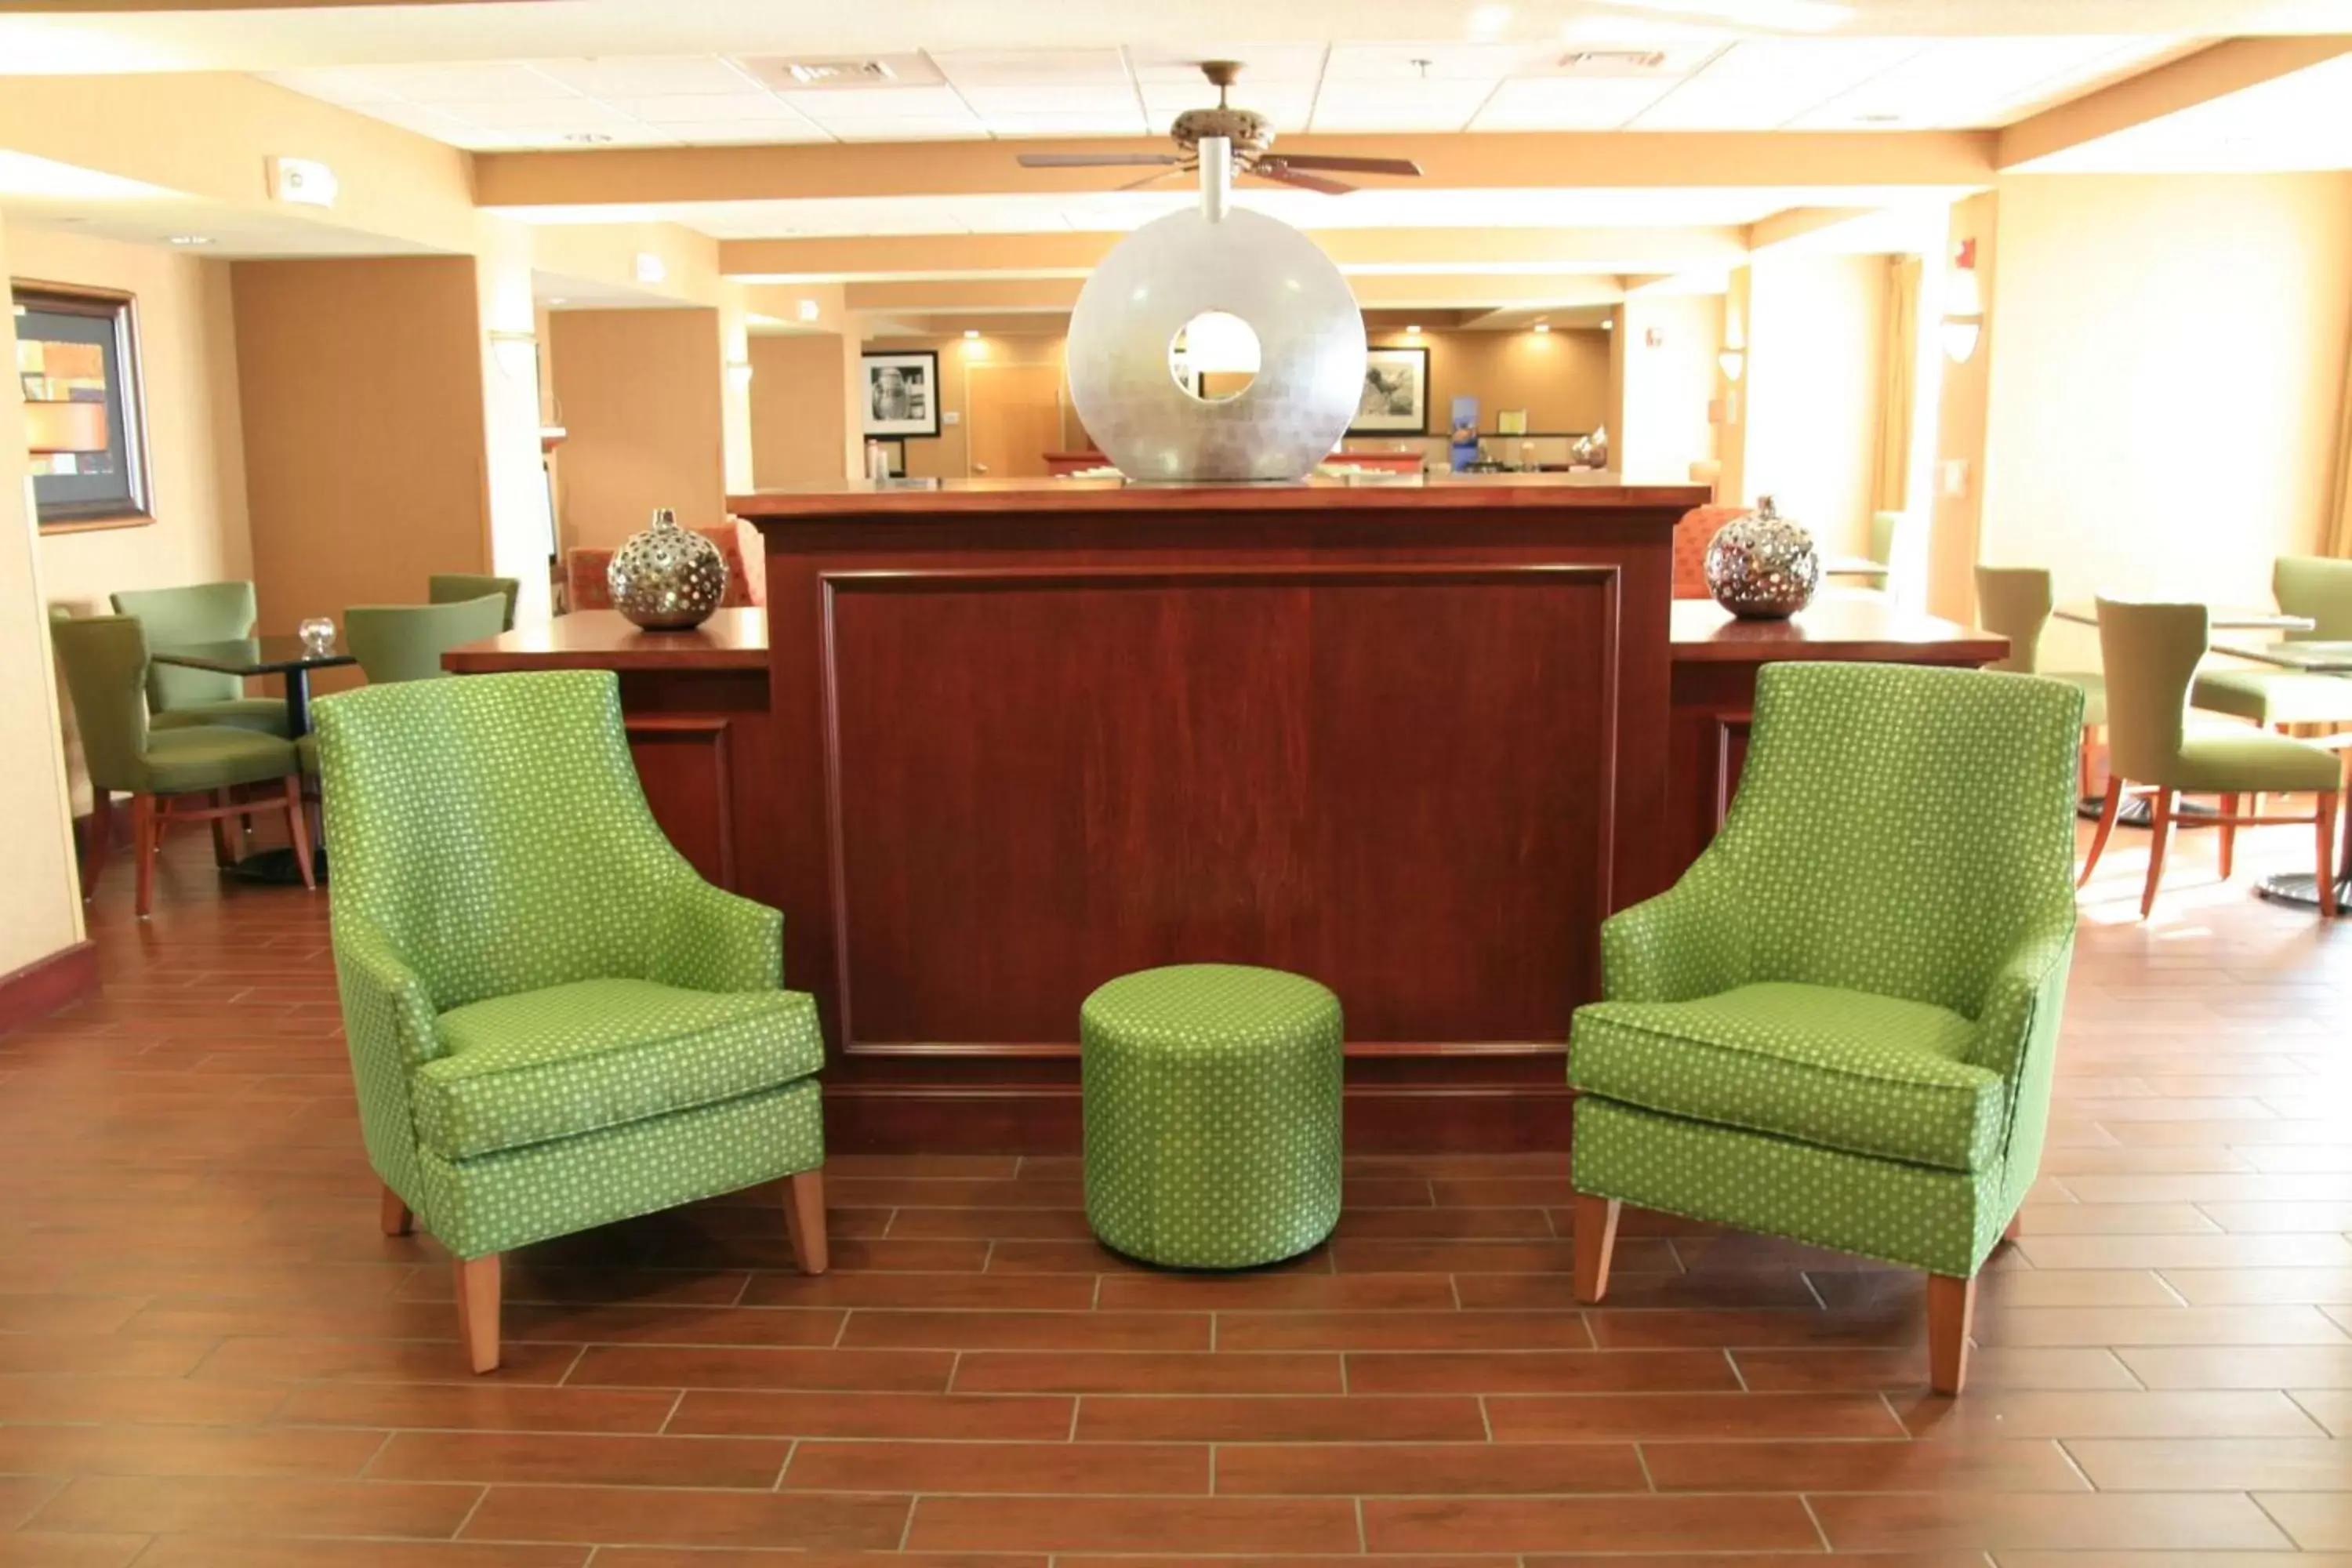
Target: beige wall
[1669, 386]
[641, 396]
[1956, 509]
[948, 454]
[1816, 353]
[40, 904]
[194, 446]
[1560, 378]
[2165, 385]
[798, 418]
[362, 398]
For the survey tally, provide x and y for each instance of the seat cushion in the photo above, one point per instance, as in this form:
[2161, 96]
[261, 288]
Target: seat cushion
[2274, 697]
[576, 1058]
[263, 715]
[2228, 758]
[208, 756]
[1840, 1069]
[2091, 684]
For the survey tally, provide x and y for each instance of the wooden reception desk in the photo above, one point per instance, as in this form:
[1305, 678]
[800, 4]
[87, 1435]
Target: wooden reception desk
[996, 742]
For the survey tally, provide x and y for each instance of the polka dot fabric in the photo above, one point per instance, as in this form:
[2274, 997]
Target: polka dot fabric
[1895, 869]
[554, 1022]
[1212, 1112]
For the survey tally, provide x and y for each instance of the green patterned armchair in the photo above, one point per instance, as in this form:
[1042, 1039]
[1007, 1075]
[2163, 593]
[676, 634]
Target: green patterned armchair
[554, 1022]
[1840, 1026]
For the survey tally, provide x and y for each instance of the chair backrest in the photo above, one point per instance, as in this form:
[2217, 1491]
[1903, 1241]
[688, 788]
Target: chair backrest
[1883, 528]
[2319, 587]
[493, 827]
[201, 612]
[1898, 829]
[457, 587]
[1693, 533]
[2015, 602]
[104, 660]
[2149, 652]
[405, 642]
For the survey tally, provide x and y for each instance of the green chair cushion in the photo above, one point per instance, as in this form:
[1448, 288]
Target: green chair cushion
[2249, 760]
[306, 754]
[262, 715]
[2094, 688]
[2274, 697]
[211, 756]
[595, 1054]
[1840, 1069]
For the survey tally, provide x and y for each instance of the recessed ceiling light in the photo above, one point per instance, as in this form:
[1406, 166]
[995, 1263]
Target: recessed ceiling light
[1541, 327]
[1607, 325]
[586, 138]
[559, 299]
[1881, 118]
[1413, 329]
[1488, 21]
[971, 334]
[191, 239]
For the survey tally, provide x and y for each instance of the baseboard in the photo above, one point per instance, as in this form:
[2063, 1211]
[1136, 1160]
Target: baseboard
[45, 985]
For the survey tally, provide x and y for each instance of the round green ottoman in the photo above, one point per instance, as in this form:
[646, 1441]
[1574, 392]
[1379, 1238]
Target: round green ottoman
[1213, 1114]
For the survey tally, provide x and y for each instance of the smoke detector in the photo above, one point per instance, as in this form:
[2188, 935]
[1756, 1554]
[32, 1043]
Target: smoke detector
[1631, 61]
[840, 73]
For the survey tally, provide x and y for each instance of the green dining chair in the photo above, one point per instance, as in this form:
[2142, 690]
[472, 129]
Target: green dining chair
[2151, 651]
[202, 612]
[554, 1022]
[2015, 602]
[1840, 1026]
[457, 587]
[182, 774]
[2321, 590]
[1885, 530]
[405, 642]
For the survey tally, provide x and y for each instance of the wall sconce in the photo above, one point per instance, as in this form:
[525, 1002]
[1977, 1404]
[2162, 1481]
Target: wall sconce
[1731, 361]
[738, 373]
[518, 356]
[1963, 322]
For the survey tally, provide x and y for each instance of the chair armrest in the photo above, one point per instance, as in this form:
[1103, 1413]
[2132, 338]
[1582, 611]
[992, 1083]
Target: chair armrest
[711, 940]
[2018, 1022]
[387, 1012]
[1681, 944]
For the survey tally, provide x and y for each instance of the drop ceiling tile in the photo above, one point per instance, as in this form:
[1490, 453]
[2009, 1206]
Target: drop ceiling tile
[427, 119]
[1023, 67]
[1271, 62]
[1054, 98]
[833, 104]
[1954, 83]
[539, 114]
[710, 108]
[464, 83]
[1131, 124]
[1764, 83]
[350, 87]
[1399, 105]
[1286, 103]
[739, 132]
[653, 76]
[930, 128]
[1435, 61]
[1568, 103]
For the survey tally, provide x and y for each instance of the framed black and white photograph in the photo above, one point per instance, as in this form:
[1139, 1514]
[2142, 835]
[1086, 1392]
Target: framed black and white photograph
[77, 363]
[1395, 398]
[902, 394]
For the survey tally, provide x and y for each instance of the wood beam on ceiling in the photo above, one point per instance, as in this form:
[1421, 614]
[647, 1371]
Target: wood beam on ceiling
[912, 258]
[1486, 161]
[1434, 290]
[2231, 66]
[1793, 225]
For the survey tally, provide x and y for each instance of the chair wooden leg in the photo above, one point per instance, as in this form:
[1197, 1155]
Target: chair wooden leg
[397, 1220]
[805, 1218]
[1951, 1306]
[1596, 1239]
[477, 1309]
[298, 828]
[146, 834]
[2160, 838]
[2114, 803]
[2329, 804]
[102, 839]
[2016, 1224]
[2229, 845]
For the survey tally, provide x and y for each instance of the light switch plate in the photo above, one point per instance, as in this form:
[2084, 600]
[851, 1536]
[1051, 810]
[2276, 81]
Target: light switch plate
[951, 417]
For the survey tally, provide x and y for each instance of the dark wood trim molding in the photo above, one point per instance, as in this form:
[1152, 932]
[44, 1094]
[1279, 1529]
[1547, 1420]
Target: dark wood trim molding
[45, 985]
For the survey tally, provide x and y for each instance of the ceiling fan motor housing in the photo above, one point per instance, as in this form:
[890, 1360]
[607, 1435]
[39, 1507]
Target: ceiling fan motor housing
[1248, 131]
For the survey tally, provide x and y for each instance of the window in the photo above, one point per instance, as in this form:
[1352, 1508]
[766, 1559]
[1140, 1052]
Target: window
[78, 361]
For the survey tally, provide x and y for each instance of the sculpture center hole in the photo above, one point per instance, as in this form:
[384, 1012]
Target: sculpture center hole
[1213, 356]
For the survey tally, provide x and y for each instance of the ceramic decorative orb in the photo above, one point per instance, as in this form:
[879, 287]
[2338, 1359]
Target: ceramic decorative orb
[1762, 566]
[1310, 337]
[667, 578]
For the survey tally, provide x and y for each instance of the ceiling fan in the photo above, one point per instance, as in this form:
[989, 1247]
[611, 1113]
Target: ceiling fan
[1250, 133]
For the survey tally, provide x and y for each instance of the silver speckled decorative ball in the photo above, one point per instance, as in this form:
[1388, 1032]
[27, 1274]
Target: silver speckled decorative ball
[667, 578]
[1762, 566]
[1310, 338]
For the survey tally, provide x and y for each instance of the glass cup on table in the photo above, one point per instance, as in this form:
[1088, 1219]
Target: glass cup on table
[318, 634]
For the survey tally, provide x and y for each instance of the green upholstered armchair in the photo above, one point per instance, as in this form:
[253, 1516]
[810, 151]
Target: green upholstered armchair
[202, 612]
[1840, 1026]
[2308, 585]
[457, 587]
[174, 774]
[554, 1022]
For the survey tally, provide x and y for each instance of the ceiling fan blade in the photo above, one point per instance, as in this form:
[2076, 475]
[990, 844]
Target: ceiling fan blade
[1282, 173]
[1147, 180]
[1351, 165]
[1094, 160]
